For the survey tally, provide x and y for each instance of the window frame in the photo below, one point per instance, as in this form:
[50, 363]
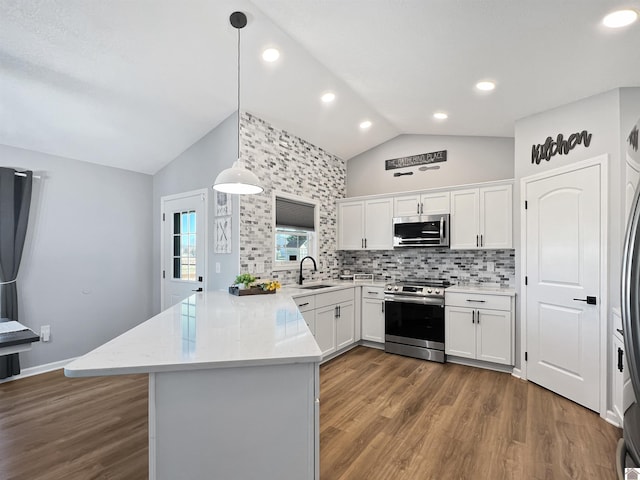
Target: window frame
[279, 265]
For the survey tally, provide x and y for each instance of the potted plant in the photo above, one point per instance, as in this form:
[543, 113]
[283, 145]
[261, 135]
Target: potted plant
[244, 280]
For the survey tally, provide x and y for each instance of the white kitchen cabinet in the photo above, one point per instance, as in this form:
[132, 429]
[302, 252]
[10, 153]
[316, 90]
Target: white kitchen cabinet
[421, 204]
[307, 306]
[332, 315]
[325, 318]
[480, 327]
[481, 218]
[373, 314]
[345, 325]
[365, 224]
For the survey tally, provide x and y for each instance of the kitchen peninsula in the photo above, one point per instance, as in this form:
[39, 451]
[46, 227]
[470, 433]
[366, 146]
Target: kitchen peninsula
[233, 387]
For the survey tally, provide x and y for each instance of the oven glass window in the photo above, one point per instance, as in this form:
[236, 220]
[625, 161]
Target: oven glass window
[409, 320]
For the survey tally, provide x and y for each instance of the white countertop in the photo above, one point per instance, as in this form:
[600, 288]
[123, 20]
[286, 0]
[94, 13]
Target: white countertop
[485, 289]
[207, 330]
[298, 290]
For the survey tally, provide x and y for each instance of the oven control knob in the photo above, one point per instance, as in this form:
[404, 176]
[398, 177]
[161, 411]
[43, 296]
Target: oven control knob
[396, 288]
[437, 291]
[428, 290]
[389, 287]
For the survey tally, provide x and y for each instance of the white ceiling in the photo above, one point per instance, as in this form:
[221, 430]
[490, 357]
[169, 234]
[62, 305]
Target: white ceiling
[133, 83]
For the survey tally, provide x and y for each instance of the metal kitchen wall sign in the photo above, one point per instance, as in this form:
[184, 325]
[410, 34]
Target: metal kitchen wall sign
[415, 160]
[559, 146]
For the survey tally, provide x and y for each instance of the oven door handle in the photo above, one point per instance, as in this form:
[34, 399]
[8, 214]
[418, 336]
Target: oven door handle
[414, 300]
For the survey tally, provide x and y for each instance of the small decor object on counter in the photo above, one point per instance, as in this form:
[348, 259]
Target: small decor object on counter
[244, 286]
[245, 279]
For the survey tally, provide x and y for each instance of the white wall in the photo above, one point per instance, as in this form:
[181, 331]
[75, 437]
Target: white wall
[197, 168]
[600, 116]
[86, 266]
[469, 160]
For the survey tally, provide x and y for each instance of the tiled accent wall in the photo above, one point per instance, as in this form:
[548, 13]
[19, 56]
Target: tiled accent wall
[457, 266]
[287, 164]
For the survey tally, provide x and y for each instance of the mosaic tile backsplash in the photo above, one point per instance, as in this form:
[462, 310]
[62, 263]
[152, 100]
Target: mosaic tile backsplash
[457, 266]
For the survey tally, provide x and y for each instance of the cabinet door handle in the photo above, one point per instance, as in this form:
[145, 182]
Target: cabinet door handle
[421, 208]
[481, 240]
[473, 316]
[620, 364]
[477, 240]
[304, 304]
[362, 243]
[365, 243]
[478, 317]
[475, 301]
[382, 307]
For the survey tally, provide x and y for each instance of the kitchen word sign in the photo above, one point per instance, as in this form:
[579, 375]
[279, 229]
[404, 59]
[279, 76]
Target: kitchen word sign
[414, 160]
[559, 146]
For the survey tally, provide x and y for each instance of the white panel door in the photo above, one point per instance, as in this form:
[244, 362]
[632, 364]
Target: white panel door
[465, 209]
[351, 225]
[377, 221]
[496, 206]
[184, 233]
[563, 268]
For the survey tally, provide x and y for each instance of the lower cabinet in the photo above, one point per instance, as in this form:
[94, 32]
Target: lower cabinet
[373, 314]
[331, 318]
[479, 333]
[621, 388]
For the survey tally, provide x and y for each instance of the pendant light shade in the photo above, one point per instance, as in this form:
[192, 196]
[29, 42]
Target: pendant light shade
[237, 179]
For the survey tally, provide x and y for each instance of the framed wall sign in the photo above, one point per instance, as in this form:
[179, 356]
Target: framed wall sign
[222, 240]
[222, 204]
[415, 160]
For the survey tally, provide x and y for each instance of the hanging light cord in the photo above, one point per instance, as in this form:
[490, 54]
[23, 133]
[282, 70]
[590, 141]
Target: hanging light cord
[238, 94]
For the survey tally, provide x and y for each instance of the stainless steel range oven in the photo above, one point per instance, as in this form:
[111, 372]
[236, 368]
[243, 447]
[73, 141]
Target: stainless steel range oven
[414, 319]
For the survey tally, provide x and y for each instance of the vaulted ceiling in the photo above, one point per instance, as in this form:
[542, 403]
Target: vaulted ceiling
[133, 83]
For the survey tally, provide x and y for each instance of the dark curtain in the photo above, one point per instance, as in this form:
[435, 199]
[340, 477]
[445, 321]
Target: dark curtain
[15, 201]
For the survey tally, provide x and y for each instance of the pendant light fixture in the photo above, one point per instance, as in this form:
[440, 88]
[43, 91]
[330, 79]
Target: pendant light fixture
[238, 179]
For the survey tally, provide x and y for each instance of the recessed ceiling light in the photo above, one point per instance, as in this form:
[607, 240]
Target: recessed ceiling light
[366, 124]
[270, 55]
[328, 97]
[440, 116]
[485, 86]
[620, 18]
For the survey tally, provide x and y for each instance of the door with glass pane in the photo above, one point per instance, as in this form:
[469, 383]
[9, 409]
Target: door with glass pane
[183, 245]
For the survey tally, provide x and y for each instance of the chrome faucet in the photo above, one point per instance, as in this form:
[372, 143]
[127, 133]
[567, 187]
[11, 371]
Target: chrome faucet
[315, 267]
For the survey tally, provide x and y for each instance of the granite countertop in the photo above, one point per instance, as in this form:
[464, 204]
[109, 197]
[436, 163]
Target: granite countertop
[207, 330]
[487, 289]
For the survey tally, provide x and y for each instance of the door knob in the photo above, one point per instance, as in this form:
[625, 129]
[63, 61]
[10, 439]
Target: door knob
[589, 300]
[197, 290]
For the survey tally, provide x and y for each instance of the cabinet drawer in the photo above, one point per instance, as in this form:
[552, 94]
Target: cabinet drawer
[333, 298]
[305, 303]
[472, 300]
[373, 292]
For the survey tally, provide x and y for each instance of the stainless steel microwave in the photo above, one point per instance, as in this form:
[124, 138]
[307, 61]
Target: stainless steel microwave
[422, 231]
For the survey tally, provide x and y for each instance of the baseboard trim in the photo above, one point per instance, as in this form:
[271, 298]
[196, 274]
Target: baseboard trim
[517, 373]
[469, 362]
[38, 369]
[611, 417]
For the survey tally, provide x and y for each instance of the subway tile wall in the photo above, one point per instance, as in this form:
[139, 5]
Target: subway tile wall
[288, 164]
[457, 266]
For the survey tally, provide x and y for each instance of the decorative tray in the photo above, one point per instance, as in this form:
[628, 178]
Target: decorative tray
[249, 291]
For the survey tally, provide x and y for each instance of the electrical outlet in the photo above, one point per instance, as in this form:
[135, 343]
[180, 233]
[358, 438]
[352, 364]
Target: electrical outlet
[45, 333]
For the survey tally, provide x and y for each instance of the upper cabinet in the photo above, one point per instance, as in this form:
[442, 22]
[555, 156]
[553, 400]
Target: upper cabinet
[481, 218]
[365, 224]
[425, 204]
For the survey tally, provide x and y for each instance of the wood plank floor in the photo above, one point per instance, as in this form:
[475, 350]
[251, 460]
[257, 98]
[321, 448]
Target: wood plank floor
[382, 417]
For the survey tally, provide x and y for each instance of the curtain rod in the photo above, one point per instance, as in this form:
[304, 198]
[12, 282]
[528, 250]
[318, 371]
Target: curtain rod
[20, 174]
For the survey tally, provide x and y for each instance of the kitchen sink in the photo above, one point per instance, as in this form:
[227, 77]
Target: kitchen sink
[316, 287]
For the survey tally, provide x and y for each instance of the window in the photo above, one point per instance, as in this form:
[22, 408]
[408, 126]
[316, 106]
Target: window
[184, 245]
[295, 230]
